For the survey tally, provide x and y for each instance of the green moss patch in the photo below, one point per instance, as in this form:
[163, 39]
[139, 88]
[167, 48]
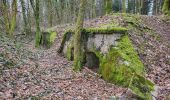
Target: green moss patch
[70, 52]
[88, 31]
[51, 38]
[123, 67]
[48, 38]
[66, 37]
[108, 30]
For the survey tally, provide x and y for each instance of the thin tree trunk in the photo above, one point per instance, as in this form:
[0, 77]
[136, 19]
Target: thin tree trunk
[141, 6]
[38, 34]
[26, 27]
[29, 15]
[93, 9]
[14, 17]
[78, 54]
[1, 8]
[57, 13]
[124, 6]
[6, 16]
[37, 21]
[166, 7]
[108, 6]
[50, 16]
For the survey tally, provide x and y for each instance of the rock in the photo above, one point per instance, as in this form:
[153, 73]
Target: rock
[155, 92]
[48, 39]
[99, 39]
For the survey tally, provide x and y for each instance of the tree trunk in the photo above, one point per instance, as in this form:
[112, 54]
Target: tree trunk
[37, 21]
[50, 12]
[124, 6]
[38, 34]
[6, 16]
[28, 15]
[78, 54]
[14, 17]
[141, 6]
[93, 9]
[166, 7]
[26, 27]
[1, 8]
[108, 6]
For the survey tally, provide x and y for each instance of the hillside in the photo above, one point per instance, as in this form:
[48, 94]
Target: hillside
[45, 74]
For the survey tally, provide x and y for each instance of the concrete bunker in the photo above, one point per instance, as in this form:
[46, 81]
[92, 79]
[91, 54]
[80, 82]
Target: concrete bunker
[111, 53]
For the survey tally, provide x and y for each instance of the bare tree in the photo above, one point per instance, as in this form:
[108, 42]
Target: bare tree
[166, 7]
[26, 26]
[78, 60]
[35, 5]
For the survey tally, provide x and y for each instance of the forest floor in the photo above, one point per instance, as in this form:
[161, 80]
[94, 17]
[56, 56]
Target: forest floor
[45, 74]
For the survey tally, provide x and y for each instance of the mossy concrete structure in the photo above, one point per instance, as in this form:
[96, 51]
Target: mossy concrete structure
[111, 50]
[47, 38]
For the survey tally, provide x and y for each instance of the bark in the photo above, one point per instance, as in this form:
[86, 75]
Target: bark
[1, 17]
[28, 15]
[10, 23]
[38, 34]
[37, 21]
[14, 17]
[108, 6]
[78, 54]
[166, 7]
[26, 27]
[144, 7]
[50, 12]
[1, 8]
[93, 9]
[141, 5]
[124, 6]
[6, 16]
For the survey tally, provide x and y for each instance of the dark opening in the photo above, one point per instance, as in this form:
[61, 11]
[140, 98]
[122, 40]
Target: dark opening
[72, 54]
[92, 61]
[43, 40]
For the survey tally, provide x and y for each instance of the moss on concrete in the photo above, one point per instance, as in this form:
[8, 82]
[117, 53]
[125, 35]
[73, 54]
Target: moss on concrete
[123, 67]
[69, 54]
[51, 38]
[88, 31]
[66, 37]
[127, 52]
[107, 30]
[48, 38]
